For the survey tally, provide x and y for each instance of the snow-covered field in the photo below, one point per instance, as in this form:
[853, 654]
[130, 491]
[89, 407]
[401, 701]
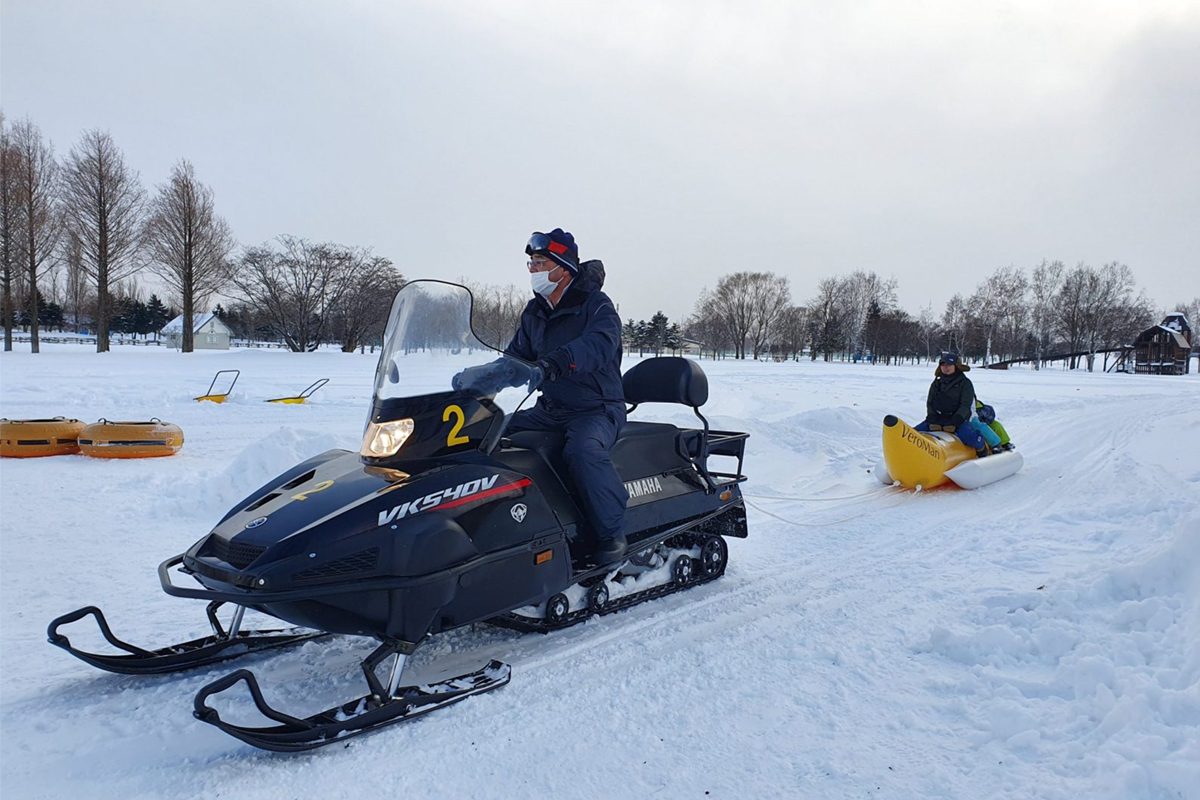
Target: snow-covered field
[1036, 638]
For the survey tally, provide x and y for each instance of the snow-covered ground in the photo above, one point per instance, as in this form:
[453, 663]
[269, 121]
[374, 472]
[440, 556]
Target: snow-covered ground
[1036, 638]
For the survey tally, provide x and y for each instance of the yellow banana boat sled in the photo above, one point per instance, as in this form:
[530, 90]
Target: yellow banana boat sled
[917, 460]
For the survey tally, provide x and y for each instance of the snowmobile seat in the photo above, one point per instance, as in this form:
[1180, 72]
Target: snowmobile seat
[667, 379]
[641, 449]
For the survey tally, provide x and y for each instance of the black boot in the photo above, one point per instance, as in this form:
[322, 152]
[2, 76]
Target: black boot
[981, 452]
[609, 551]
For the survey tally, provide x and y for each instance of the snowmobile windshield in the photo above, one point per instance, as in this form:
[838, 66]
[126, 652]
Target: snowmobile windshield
[430, 347]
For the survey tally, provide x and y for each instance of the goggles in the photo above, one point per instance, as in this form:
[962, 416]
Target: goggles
[540, 242]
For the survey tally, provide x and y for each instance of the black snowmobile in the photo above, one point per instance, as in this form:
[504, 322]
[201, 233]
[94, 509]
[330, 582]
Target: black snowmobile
[442, 521]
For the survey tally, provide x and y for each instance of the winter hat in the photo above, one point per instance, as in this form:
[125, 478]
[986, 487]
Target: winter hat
[557, 245]
[956, 360]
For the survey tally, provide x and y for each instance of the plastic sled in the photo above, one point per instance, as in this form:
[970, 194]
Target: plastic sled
[214, 397]
[300, 398]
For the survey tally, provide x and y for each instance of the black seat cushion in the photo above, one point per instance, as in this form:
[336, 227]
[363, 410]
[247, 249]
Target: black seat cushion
[667, 379]
[641, 449]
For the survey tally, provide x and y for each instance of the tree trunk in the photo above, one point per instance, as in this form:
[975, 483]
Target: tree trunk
[33, 292]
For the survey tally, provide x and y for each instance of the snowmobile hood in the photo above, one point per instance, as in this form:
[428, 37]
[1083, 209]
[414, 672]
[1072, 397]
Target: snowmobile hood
[341, 520]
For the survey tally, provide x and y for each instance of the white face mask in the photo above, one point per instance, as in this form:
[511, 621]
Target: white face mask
[542, 284]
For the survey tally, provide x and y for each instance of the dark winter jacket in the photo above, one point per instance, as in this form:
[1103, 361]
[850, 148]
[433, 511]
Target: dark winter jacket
[950, 399]
[583, 335]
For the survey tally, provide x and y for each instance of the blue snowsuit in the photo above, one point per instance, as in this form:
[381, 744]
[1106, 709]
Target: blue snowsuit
[586, 403]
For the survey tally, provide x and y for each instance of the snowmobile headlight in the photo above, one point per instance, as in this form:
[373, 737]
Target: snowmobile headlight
[383, 439]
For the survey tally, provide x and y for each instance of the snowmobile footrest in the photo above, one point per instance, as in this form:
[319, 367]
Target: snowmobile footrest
[196, 653]
[363, 715]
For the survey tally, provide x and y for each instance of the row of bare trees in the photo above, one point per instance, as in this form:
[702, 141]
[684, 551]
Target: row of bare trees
[89, 215]
[1048, 311]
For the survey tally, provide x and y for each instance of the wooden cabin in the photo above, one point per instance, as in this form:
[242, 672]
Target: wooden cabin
[1164, 349]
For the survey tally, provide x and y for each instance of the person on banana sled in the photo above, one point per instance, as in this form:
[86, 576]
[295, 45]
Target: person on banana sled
[984, 420]
[571, 331]
[951, 402]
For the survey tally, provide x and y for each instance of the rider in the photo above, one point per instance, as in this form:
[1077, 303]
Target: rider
[950, 403]
[572, 332]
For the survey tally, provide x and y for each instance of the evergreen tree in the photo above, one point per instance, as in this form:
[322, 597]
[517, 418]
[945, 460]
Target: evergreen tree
[641, 336]
[139, 318]
[51, 315]
[157, 314]
[674, 338]
[629, 335]
[657, 333]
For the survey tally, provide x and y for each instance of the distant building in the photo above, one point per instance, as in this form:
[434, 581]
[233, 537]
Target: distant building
[208, 332]
[1165, 348]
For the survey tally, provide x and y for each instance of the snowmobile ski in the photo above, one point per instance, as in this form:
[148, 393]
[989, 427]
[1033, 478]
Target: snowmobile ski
[382, 707]
[222, 645]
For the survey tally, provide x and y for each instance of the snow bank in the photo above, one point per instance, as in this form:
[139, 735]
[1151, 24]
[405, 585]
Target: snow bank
[1099, 675]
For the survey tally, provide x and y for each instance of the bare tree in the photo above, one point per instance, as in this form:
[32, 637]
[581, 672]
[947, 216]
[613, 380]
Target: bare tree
[862, 292]
[363, 310]
[105, 205]
[1043, 288]
[954, 321]
[792, 332]
[78, 296]
[998, 305]
[770, 298]
[297, 288]
[37, 211]
[927, 329]
[827, 313]
[704, 326]
[732, 304]
[187, 243]
[496, 313]
[9, 227]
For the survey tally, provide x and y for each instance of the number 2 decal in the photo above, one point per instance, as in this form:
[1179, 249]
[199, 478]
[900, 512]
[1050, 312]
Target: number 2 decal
[320, 487]
[454, 438]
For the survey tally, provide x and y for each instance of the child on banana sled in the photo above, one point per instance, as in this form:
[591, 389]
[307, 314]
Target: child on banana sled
[951, 407]
[985, 422]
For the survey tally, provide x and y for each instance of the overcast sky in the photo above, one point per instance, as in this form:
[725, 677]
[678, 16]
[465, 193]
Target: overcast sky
[678, 140]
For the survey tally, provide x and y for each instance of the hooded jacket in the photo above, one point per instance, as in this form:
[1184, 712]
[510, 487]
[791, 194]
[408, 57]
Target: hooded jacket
[950, 399]
[582, 334]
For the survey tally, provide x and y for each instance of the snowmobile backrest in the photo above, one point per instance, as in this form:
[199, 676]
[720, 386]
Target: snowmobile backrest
[666, 379]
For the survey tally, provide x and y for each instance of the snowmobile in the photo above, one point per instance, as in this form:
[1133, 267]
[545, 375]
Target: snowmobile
[442, 521]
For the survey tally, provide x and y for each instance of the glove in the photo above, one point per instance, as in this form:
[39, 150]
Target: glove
[485, 378]
[948, 428]
[537, 377]
[554, 365]
[934, 427]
